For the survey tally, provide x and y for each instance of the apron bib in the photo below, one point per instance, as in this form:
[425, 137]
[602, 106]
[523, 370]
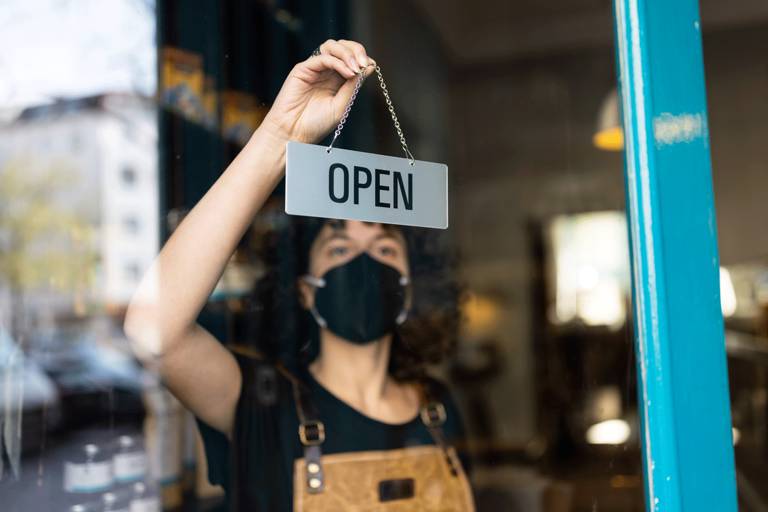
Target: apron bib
[414, 479]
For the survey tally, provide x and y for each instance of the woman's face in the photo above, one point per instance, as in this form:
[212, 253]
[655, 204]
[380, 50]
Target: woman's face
[338, 243]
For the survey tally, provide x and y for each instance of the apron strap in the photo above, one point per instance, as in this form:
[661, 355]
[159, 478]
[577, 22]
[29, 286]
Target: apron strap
[433, 417]
[311, 432]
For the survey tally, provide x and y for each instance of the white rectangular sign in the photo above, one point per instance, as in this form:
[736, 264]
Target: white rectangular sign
[345, 184]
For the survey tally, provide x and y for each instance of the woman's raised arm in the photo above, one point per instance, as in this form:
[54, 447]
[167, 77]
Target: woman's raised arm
[161, 318]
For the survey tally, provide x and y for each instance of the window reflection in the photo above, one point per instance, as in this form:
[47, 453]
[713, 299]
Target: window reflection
[116, 118]
[591, 268]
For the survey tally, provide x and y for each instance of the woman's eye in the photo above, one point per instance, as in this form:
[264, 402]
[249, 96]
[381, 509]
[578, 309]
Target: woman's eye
[388, 251]
[338, 251]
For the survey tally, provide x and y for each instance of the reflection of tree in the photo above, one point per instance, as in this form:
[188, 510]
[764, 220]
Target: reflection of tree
[43, 244]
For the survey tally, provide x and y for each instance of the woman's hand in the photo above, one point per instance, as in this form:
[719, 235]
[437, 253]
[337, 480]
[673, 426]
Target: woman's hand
[316, 92]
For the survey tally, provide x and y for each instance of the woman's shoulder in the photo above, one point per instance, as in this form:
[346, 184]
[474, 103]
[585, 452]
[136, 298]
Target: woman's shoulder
[253, 362]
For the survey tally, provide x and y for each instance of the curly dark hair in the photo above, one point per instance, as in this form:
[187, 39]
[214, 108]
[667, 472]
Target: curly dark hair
[281, 329]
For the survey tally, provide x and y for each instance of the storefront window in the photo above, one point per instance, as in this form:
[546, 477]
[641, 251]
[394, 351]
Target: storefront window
[172, 339]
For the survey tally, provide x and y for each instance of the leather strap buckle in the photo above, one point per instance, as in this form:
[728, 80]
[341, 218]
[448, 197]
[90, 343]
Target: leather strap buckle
[312, 433]
[433, 414]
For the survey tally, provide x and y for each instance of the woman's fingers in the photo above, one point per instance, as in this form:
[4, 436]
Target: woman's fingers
[344, 52]
[324, 62]
[358, 50]
[348, 59]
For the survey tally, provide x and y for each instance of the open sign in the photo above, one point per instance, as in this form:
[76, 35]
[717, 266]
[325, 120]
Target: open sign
[344, 184]
[384, 186]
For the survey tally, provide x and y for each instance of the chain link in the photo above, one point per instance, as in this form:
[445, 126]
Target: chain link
[390, 107]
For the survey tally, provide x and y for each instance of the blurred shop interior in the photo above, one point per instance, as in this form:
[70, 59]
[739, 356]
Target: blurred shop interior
[519, 98]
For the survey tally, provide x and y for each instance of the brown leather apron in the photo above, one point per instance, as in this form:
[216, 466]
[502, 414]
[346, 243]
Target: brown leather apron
[419, 478]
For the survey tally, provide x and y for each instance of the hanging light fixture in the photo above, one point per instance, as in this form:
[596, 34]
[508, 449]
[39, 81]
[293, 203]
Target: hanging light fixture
[609, 135]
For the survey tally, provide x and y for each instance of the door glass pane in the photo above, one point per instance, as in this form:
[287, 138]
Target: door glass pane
[171, 339]
[736, 78]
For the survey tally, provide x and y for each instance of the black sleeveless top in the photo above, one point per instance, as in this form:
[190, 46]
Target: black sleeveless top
[256, 467]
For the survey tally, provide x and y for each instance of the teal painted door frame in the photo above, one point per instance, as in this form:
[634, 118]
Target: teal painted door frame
[680, 347]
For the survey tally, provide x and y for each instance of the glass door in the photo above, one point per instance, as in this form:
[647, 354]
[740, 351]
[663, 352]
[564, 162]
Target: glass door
[171, 339]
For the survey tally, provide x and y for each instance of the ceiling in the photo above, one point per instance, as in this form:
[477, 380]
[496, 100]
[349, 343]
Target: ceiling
[496, 30]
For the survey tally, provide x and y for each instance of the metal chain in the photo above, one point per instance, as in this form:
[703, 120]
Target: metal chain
[394, 116]
[345, 115]
[390, 107]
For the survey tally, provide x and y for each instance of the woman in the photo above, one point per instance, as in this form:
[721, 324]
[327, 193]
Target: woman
[357, 288]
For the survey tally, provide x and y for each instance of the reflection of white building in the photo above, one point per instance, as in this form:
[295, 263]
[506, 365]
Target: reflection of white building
[111, 143]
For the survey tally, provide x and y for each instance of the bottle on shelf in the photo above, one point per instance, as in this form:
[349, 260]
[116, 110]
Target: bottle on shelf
[129, 461]
[89, 473]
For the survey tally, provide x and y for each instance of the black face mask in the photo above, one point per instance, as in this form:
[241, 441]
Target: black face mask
[360, 301]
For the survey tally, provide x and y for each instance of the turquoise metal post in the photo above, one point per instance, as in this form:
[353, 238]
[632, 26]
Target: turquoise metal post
[683, 382]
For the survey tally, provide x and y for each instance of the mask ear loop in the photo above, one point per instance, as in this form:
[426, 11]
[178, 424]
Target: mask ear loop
[403, 316]
[316, 282]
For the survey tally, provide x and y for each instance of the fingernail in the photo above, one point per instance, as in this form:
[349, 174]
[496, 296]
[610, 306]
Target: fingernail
[353, 65]
[363, 61]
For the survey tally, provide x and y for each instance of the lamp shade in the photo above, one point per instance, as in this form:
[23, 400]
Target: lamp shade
[609, 135]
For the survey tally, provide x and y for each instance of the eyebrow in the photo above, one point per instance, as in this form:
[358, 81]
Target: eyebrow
[338, 234]
[335, 234]
[386, 234]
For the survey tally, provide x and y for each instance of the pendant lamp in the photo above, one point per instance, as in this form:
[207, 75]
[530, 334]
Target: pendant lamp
[609, 135]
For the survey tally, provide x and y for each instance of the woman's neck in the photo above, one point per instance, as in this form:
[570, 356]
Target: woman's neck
[355, 373]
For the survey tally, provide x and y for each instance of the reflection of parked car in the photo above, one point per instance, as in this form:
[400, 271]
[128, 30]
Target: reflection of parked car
[97, 382]
[23, 382]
